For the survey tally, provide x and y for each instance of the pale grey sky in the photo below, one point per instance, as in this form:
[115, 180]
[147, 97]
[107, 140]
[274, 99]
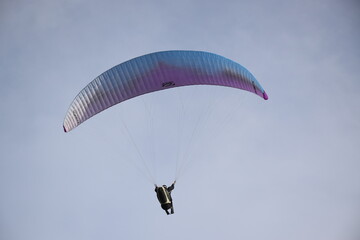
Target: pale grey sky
[286, 168]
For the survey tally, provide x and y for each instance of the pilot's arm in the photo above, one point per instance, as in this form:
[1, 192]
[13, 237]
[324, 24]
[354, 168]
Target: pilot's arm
[171, 187]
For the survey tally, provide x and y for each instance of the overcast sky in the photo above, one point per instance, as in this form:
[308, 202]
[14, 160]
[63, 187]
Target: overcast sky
[286, 168]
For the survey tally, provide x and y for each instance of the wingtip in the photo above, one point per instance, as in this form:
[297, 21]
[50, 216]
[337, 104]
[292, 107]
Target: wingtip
[265, 96]
[64, 128]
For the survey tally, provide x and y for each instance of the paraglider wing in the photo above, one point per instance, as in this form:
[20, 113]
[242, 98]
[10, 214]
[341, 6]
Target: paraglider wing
[154, 72]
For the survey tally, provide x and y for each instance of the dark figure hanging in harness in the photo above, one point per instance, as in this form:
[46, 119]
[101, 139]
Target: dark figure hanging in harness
[163, 194]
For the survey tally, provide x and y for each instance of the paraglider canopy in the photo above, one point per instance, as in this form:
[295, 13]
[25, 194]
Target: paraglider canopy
[155, 72]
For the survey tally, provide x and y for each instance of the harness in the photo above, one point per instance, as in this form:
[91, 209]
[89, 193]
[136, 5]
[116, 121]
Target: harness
[163, 195]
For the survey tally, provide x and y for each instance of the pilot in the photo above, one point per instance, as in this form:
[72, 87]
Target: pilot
[163, 194]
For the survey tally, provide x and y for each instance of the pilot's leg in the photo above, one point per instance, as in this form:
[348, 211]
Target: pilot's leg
[172, 210]
[167, 212]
